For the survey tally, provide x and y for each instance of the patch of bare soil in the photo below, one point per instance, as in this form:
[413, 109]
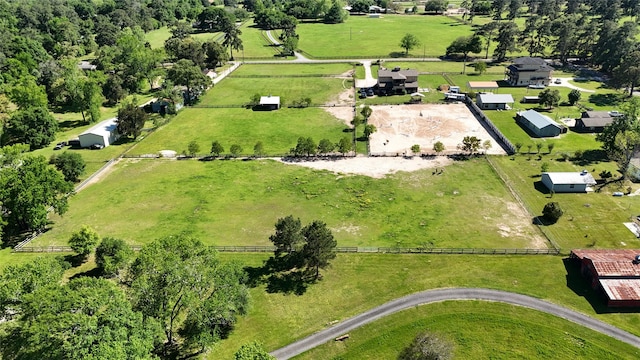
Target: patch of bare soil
[342, 99]
[399, 127]
[516, 222]
[375, 167]
[102, 174]
[344, 113]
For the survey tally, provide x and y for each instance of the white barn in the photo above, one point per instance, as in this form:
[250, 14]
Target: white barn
[568, 181]
[103, 133]
[489, 101]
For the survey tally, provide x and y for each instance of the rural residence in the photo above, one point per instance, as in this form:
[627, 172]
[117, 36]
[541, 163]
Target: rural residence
[528, 71]
[614, 272]
[593, 121]
[540, 125]
[494, 101]
[104, 133]
[398, 81]
[564, 182]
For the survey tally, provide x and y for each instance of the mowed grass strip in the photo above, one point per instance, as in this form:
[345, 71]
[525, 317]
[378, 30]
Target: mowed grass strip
[238, 202]
[364, 36]
[478, 330]
[238, 91]
[285, 69]
[357, 283]
[278, 130]
[590, 219]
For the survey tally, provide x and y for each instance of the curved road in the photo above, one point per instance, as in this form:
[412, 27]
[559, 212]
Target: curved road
[431, 296]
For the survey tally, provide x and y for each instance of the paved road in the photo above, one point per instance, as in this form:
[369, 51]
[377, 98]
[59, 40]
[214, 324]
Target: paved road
[439, 295]
[565, 82]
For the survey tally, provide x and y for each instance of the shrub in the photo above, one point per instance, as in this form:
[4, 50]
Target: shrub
[112, 255]
[427, 346]
[552, 212]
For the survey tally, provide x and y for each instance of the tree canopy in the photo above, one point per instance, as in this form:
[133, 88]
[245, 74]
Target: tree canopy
[131, 119]
[33, 126]
[180, 283]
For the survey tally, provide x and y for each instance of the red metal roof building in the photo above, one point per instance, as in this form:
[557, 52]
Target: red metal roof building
[616, 272]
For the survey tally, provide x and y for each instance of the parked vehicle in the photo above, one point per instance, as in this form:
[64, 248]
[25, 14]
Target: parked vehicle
[370, 92]
[558, 81]
[96, 146]
[58, 147]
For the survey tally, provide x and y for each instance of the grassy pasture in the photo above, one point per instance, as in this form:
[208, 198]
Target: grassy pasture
[238, 91]
[478, 330]
[356, 283]
[590, 219]
[213, 200]
[285, 69]
[279, 131]
[364, 36]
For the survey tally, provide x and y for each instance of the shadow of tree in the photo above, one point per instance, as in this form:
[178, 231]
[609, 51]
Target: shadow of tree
[280, 275]
[590, 157]
[605, 99]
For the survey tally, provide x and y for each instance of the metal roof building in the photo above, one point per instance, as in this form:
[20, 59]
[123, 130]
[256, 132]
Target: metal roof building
[494, 101]
[104, 133]
[568, 181]
[615, 272]
[540, 125]
[270, 102]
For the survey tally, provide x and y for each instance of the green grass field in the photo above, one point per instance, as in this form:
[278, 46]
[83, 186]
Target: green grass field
[213, 200]
[364, 36]
[278, 130]
[285, 69]
[238, 91]
[478, 330]
[590, 219]
[356, 283]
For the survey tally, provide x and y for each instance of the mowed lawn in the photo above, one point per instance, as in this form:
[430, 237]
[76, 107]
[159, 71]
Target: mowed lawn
[357, 283]
[237, 202]
[277, 130]
[368, 37]
[590, 219]
[477, 330]
[288, 69]
[237, 91]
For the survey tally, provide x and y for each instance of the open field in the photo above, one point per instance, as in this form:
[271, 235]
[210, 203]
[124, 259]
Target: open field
[364, 36]
[590, 219]
[356, 283]
[214, 199]
[478, 330]
[400, 127]
[278, 130]
[285, 69]
[238, 91]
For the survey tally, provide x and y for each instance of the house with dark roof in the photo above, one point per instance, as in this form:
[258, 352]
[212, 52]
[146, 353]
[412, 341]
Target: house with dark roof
[564, 182]
[593, 121]
[398, 81]
[488, 101]
[527, 70]
[540, 125]
[615, 273]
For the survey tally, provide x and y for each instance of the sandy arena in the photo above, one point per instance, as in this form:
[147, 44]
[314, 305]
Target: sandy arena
[401, 126]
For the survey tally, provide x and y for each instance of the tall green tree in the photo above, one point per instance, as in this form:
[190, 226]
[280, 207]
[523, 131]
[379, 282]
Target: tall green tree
[470, 144]
[549, 97]
[112, 256]
[628, 122]
[465, 45]
[628, 72]
[344, 145]
[409, 41]
[83, 241]
[86, 319]
[179, 282]
[71, 164]
[487, 31]
[131, 119]
[507, 33]
[33, 126]
[18, 281]
[287, 238]
[232, 39]
[319, 247]
[216, 148]
[336, 14]
[27, 94]
[28, 190]
[186, 73]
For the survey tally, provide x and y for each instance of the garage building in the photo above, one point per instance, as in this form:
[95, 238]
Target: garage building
[104, 133]
[568, 181]
[540, 125]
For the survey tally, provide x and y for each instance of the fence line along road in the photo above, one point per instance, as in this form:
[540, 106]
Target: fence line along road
[342, 249]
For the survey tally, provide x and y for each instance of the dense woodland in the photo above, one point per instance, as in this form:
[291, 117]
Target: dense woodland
[41, 44]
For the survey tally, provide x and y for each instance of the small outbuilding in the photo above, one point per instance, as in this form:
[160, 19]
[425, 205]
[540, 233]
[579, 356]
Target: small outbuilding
[530, 100]
[270, 102]
[593, 121]
[494, 101]
[482, 85]
[104, 133]
[568, 182]
[540, 125]
[615, 273]
[87, 66]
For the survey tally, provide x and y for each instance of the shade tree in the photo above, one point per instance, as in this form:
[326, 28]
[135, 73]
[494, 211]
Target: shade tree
[71, 164]
[33, 126]
[112, 256]
[409, 42]
[84, 241]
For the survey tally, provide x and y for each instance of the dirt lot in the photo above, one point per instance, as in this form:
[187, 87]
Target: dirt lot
[401, 126]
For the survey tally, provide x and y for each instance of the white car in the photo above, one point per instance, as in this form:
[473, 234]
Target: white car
[558, 81]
